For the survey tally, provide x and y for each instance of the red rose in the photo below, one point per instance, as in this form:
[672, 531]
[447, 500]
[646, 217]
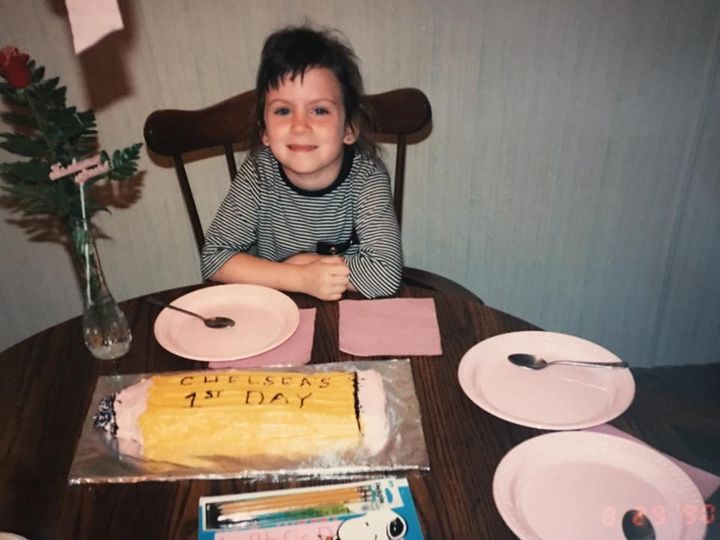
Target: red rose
[14, 67]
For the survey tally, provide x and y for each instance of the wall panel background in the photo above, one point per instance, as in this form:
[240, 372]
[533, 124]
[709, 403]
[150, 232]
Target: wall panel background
[572, 176]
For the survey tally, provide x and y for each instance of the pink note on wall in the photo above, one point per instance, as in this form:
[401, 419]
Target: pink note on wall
[92, 20]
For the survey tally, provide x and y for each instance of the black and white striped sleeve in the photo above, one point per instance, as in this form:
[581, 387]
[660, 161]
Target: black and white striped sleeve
[234, 228]
[376, 266]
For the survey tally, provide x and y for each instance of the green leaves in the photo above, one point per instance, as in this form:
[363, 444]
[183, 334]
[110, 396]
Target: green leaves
[25, 121]
[123, 164]
[28, 183]
[83, 138]
[35, 197]
[49, 94]
[23, 145]
[16, 97]
[34, 171]
[47, 131]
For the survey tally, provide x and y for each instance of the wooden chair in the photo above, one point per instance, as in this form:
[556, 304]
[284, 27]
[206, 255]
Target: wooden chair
[227, 125]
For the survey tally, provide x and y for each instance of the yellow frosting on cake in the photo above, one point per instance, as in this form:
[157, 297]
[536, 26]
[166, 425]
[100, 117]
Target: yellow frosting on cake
[249, 413]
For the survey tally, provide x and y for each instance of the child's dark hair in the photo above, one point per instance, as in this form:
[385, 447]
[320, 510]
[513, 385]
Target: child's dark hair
[292, 51]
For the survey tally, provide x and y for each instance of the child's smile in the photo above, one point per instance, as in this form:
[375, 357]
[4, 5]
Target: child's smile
[301, 147]
[306, 128]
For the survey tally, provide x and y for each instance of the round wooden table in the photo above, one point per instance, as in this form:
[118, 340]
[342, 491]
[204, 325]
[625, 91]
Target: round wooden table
[46, 386]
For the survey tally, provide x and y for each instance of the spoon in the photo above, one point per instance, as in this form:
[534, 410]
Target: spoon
[637, 526]
[211, 322]
[535, 362]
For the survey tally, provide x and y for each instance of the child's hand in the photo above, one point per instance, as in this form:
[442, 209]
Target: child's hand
[326, 278]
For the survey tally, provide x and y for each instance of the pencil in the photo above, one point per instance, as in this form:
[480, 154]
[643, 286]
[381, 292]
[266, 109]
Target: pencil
[310, 498]
[283, 516]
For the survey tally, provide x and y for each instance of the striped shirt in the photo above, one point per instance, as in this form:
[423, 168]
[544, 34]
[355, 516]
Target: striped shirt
[265, 215]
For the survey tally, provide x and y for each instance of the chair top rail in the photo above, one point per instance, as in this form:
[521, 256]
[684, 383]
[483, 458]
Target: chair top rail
[171, 132]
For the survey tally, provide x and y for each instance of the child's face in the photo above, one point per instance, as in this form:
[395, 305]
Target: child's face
[306, 128]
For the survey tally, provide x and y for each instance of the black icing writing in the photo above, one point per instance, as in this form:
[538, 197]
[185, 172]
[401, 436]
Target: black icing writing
[303, 398]
[190, 379]
[191, 396]
[209, 394]
[257, 397]
[254, 380]
[271, 380]
[252, 397]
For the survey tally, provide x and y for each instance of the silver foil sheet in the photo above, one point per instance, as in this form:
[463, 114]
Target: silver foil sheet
[98, 458]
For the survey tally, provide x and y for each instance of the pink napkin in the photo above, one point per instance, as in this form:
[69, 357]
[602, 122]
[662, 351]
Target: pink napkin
[707, 483]
[293, 352]
[389, 327]
[92, 20]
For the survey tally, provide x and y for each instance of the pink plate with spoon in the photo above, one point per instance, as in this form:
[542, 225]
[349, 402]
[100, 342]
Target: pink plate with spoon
[264, 318]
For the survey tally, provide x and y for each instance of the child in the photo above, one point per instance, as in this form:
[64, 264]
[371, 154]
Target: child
[310, 209]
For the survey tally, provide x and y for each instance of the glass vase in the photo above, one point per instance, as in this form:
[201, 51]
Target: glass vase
[105, 328]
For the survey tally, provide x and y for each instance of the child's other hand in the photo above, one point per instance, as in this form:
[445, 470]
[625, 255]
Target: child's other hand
[326, 277]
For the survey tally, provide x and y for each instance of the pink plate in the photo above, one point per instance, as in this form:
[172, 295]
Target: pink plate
[557, 397]
[264, 318]
[571, 485]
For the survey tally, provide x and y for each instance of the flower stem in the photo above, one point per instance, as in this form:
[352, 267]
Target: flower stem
[86, 247]
[42, 125]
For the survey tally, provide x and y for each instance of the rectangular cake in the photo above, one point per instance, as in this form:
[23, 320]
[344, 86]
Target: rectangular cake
[192, 417]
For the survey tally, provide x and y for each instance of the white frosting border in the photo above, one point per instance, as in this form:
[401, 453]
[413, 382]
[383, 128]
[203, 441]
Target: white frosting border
[372, 405]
